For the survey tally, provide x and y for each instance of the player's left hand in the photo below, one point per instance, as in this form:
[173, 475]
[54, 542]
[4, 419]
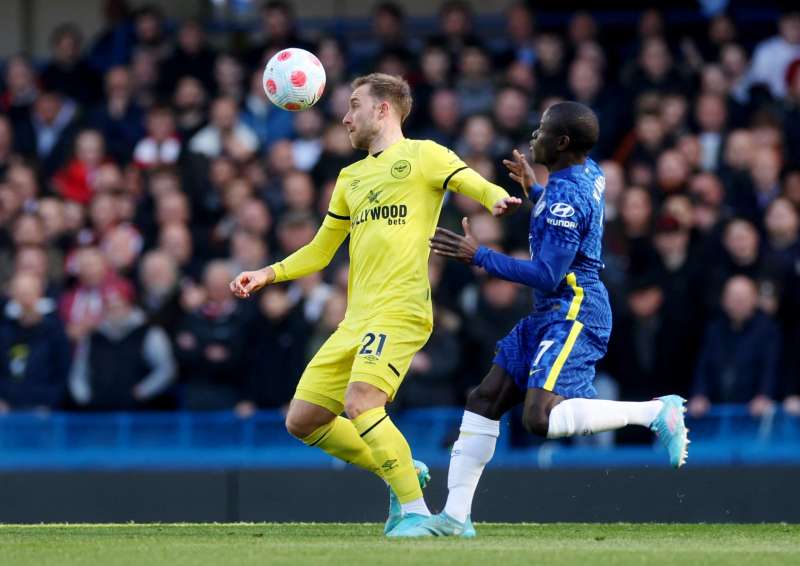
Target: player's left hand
[450, 244]
[506, 205]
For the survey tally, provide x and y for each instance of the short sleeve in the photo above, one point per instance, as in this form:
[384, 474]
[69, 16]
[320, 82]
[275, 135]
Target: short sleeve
[565, 217]
[338, 211]
[439, 164]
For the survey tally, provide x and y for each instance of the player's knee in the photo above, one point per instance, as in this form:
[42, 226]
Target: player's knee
[536, 421]
[361, 397]
[298, 426]
[482, 402]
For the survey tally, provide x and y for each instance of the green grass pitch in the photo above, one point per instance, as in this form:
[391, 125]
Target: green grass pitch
[327, 543]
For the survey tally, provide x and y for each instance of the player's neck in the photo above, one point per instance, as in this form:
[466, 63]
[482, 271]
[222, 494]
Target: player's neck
[566, 161]
[386, 138]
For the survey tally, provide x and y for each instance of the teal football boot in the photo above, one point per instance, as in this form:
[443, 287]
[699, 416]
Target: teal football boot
[408, 526]
[395, 511]
[671, 429]
[442, 525]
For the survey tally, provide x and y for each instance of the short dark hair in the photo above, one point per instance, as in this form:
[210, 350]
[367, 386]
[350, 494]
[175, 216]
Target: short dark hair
[389, 87]
[577, 121]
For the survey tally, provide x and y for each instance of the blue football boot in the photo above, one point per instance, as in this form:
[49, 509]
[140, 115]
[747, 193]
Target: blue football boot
[395, 511]
[442, 525]
[671, 429]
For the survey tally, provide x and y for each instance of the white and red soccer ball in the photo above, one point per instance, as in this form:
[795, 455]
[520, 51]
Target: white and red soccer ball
[294, 79]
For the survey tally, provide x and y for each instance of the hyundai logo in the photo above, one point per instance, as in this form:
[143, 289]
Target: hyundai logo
[562, 210]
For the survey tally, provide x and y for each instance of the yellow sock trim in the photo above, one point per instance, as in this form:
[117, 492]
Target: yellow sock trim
[340, 439]
[390, 451]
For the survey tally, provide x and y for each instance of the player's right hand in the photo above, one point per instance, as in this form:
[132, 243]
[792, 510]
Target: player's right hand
[520, 171]
[251, 281]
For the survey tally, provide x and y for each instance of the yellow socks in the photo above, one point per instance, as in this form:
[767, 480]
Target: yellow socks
[391, 453]
[340, 439]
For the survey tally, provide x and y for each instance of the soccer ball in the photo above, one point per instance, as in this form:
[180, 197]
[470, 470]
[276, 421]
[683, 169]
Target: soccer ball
[294, 79]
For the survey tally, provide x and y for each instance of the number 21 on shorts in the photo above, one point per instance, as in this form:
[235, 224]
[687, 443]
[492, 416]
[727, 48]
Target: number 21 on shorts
[368, 347]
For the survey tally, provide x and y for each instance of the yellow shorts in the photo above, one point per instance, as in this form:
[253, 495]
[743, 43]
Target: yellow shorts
[376, 351]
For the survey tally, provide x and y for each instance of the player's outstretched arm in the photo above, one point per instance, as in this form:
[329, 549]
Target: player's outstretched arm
[445, 170]
[493, 197]
[545, 272]
[312, 257]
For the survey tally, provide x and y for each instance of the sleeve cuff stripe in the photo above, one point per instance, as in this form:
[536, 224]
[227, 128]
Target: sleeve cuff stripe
[338, 216]
[450, 176]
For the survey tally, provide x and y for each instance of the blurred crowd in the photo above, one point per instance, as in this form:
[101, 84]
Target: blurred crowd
[141, 169]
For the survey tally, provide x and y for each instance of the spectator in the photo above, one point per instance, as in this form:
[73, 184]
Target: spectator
[34, 350]
[550, 65]
[47, 135]
[192, 57]
[456, 26]
[432, 370]
[445, 113]
[21, 88]
[76, 180]
[711, 116]
[517, 44]
[159, 291]
[175, 240]
[739, 357]
[125, 363]
[276, 347]
[68, 71]
[161, 146]
[773, 56]
[474, 86]
[210, 344]
[278, 31]
[190, 102]
[226, 133]
[119, 118]
[81, 308]
[307, 146]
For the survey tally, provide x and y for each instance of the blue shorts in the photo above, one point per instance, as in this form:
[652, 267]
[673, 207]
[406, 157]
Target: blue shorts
[555, 355]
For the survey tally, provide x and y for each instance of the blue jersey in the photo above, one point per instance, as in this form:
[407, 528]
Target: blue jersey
[568, 213]
[556, 347]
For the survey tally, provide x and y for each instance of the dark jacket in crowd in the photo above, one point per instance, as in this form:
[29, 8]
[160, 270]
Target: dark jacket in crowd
[115, 359]
[735, 365]
[34, 360]
[276, 351]
[210, 347]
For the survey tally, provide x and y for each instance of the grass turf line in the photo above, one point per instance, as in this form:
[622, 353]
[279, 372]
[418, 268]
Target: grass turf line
[357, 543]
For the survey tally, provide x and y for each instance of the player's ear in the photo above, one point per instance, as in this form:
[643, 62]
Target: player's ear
[563, 143]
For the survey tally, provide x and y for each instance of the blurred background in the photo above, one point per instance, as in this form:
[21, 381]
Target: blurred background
[141, 168]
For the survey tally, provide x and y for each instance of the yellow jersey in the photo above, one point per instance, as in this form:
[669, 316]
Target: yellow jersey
[389, 204]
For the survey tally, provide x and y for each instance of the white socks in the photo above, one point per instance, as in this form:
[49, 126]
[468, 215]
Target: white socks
[475, 445]
[588, 416]
[471, 452]
[417, 506]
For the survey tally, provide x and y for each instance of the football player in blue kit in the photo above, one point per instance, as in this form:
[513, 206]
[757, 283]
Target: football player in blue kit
[547, 362]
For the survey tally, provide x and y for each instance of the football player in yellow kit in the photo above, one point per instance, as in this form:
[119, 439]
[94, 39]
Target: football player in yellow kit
[389, 204]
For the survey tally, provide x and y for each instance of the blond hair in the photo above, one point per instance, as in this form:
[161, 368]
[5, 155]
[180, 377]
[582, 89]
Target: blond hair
[388, 87]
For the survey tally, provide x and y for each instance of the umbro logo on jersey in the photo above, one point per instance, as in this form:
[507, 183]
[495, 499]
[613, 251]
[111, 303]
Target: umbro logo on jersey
[401, 169]
[562, 210]
[354, 183]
